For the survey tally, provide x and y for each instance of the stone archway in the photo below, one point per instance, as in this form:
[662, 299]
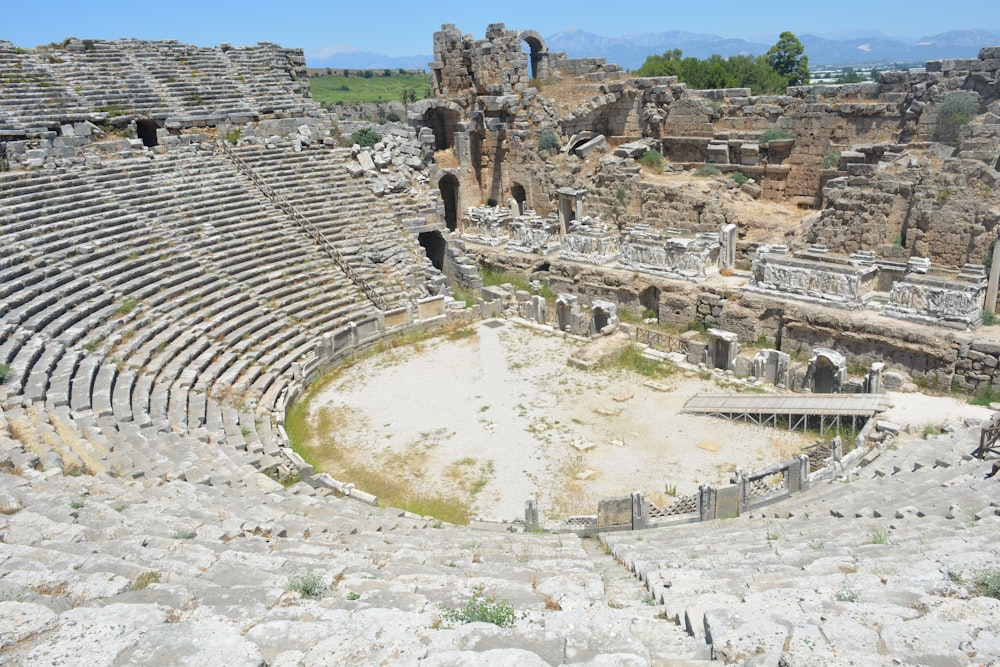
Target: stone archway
[649, 299]
[823, 380]
[537, 54]
[519, 195]
[448, 187]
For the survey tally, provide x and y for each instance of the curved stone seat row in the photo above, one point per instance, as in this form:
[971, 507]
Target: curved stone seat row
[98, 79]
[364, 226]
[876, 570]
[146, 299]
[209, 572]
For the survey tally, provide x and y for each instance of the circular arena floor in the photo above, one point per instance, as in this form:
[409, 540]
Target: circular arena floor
[501, 415]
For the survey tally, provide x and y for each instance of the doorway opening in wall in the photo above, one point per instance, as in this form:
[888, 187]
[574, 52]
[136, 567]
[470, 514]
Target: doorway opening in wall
[518, 194]
[534, 50]
[146, 129]
[448, 186]
[649, 299]
[434, 246]
[443, 123]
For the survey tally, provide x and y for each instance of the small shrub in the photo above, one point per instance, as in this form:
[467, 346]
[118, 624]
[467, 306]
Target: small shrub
[481, 609]
[547, 141]
[233, 136]
[76, 503]
[184, 535]
[351, 595]
[620, 194]
[670, 489]
[4, 371]
[955, 111]
[943, 196]
[652, 160]
[366, 137]
[831, 160]
[739, 177]
[307, 583]
[143, 581]
[707, 170]
[989, 319]
[775, 134]
[986, 582]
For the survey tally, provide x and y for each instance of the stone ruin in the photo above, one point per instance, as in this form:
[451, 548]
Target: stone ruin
[860, 281]
[166, 298]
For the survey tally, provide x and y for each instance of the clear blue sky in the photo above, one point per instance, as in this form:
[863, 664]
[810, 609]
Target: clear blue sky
[406, 28]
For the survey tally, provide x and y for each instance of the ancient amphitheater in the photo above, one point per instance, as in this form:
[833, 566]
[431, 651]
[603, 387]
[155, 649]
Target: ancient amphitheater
[187, 243]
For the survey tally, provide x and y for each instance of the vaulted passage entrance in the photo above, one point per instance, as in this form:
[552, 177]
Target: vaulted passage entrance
[434, 246]
[443, 122]
[146, 129]
[448, 186]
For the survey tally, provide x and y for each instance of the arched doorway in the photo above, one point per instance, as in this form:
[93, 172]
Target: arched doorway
[518, 194]
[534, 46]
[823, 381]
[649, 299]
[146, 129]
[448, 186]
[443, 122]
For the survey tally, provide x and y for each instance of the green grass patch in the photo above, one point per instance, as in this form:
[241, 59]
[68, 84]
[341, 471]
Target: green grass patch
[707, 170]
[127, 306]
[357, 88]
[652, 160]
[988, 394]
[630, 358]
[496, 277]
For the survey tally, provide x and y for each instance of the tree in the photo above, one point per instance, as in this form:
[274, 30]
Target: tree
[788, 59]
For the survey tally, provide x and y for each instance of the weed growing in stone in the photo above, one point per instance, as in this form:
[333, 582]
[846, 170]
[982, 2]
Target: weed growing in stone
[986, 582]
[307, 583]
[142, 581]
[846, 593]
[480, 609]
[879, 537]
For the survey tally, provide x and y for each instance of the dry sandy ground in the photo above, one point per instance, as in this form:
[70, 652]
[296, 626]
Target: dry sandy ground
[504, 407]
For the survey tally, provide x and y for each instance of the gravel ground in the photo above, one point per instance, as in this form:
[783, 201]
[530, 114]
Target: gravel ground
[502, 412]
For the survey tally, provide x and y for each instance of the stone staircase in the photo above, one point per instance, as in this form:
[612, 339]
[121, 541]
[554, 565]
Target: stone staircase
[869, 571]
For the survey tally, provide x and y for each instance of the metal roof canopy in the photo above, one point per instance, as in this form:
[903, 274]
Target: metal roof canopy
[843, 405]
[794, 411]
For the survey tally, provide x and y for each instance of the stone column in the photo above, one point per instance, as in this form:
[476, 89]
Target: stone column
[706, 503]
[875, 378]
[727, 253]
[991, 288]
[640, 511]
[530, 515]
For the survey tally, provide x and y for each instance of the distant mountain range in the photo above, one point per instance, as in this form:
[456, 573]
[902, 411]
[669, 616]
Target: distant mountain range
[630, 51]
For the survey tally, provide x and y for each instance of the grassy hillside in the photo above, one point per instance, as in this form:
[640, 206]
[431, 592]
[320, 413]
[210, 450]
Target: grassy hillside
[357, 88]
